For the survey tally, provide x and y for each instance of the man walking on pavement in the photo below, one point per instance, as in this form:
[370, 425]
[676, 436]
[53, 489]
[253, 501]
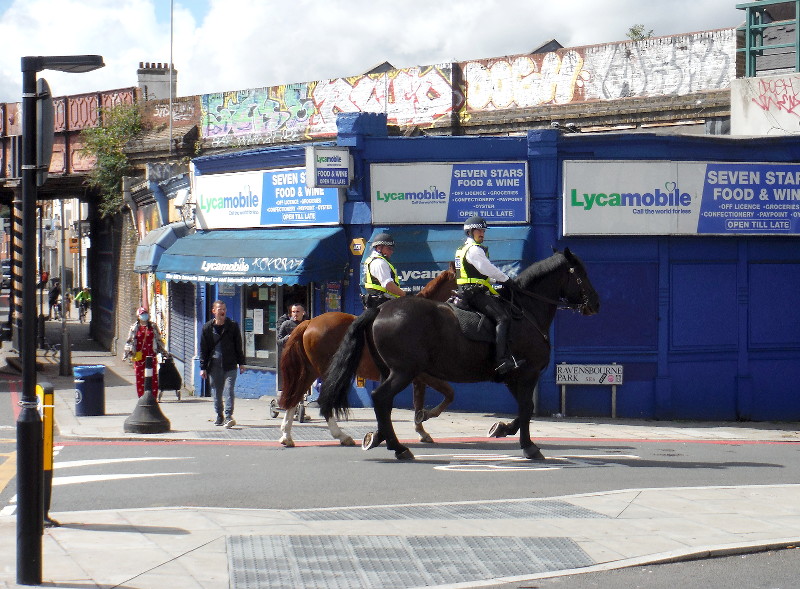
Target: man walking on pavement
[220, 355]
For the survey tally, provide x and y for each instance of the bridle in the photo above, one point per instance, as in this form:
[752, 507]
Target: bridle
[560, 303]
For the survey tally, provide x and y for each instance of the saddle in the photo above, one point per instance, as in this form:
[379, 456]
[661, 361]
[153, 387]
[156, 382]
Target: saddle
[475, 326]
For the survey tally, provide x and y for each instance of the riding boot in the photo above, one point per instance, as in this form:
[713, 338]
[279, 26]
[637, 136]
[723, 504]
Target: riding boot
[505, 363]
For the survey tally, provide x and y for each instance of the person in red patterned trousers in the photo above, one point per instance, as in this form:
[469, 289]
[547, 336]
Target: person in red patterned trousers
[144, 339]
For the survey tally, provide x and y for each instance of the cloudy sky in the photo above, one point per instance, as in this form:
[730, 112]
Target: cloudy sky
[237, 44]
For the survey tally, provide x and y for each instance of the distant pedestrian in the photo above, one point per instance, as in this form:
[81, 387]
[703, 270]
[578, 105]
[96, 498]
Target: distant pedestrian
[52, 299]
[221, 354]
[66, 302]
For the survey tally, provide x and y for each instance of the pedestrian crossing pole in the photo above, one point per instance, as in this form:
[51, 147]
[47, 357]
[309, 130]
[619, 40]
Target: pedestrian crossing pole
[46, 402]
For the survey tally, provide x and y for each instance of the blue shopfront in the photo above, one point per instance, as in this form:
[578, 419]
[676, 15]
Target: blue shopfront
[691, 243]
[259, 260]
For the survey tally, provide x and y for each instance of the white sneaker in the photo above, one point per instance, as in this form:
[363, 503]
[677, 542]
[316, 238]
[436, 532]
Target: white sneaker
[230, 422]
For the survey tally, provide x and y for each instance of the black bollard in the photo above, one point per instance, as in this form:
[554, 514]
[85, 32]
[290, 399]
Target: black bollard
[147, 417]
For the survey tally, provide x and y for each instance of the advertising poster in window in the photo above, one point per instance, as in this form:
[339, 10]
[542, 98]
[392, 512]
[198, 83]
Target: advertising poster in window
[432, 193]
[680, 198]
[263, 198]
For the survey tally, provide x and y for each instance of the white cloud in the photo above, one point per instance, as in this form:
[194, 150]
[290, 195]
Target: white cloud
[236, 44]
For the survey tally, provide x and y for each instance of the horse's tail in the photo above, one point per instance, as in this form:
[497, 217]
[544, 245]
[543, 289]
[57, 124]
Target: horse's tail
[342, 369]
[295, 371]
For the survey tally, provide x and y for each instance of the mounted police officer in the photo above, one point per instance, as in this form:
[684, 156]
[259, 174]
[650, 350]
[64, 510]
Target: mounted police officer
[379, 281]
[474, 272]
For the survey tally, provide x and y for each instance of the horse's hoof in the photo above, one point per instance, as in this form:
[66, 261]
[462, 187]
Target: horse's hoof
[533, 453]
[370, 441]
[498, 430]
[347, 441]
[426, 438]
[404, 454]
[420, 416]
[287, 441]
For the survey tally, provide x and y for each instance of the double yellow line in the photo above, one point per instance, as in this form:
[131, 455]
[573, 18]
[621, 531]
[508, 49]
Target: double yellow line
[8, 467]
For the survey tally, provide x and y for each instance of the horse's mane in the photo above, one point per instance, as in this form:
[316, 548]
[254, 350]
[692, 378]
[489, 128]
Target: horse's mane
[434, 285]
[540, 269]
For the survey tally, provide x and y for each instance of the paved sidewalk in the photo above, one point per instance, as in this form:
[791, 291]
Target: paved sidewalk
[218, 548]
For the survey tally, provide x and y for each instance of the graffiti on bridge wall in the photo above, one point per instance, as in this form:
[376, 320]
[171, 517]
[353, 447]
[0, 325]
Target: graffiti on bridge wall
[768, 105]
[782, 94]
[418, 96]
[653, 67]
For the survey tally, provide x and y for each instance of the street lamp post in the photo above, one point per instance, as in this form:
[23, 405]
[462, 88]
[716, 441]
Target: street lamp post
[30, 488]
[65, 356]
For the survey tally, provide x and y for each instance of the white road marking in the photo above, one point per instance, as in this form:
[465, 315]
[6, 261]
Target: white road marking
[508, 463]
[74, 463]
[92, 478]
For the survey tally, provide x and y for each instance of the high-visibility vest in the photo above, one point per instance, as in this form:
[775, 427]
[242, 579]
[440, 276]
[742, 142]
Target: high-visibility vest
[469, 274]
[369, 283]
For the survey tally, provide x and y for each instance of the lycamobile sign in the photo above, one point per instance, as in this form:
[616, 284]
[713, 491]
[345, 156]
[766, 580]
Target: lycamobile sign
[680, 198]
[263, 198]
[654, 198]
[430, 193]
[240, 201]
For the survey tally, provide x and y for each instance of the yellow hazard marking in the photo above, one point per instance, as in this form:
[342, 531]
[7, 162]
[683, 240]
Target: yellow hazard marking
[8, 469]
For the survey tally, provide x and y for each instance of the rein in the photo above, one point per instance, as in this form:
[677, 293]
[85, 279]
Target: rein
[560, 303]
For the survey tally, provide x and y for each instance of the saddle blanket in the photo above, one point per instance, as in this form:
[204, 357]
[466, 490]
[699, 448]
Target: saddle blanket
[475, 326]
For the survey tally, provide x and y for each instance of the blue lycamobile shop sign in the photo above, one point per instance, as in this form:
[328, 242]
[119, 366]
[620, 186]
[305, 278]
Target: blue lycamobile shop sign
[432, 193]
[680, 198]
[270, 198]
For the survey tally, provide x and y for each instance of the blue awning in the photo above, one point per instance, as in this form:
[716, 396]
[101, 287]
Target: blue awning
[257, 256]
[422, 252]
[155, 243]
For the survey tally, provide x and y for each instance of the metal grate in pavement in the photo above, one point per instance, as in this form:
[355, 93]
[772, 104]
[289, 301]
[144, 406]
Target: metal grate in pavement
[534, 509]
[391, 562]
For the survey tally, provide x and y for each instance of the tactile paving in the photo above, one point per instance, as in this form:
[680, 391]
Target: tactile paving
[532, 509]
[391, 562]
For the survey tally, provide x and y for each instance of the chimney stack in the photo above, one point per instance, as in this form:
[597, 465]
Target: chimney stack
[154, 80]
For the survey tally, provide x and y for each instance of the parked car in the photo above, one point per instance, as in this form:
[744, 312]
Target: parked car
[5, 282]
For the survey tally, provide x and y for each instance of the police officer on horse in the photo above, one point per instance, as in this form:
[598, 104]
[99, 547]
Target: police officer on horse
[379, 281]
[473, 274]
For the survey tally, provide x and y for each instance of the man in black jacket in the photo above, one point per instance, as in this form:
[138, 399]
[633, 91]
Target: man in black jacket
[220, 355]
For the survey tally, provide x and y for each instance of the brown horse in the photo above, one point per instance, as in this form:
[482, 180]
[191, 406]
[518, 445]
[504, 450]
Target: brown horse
[310, 347]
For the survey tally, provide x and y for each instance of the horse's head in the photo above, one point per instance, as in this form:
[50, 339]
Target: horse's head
[442, 286]
[561, 280]
[578, 289]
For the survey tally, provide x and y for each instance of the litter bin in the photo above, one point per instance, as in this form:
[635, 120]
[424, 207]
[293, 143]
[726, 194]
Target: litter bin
[90, 389]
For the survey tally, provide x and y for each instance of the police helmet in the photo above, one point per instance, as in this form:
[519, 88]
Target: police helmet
[474, 222]
[383, 239]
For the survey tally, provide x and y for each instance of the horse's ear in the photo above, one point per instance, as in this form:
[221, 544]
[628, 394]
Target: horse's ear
[569, 255]
[554, 248]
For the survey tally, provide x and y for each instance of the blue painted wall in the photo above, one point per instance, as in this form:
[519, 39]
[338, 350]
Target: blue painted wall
[705, 327]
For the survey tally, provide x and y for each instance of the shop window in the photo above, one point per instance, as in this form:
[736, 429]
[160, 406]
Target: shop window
[259, 326]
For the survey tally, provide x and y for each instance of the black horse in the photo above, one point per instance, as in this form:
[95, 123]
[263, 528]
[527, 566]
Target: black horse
[411, 336]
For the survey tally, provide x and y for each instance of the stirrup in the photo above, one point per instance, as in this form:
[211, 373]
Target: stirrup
[507, 365]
